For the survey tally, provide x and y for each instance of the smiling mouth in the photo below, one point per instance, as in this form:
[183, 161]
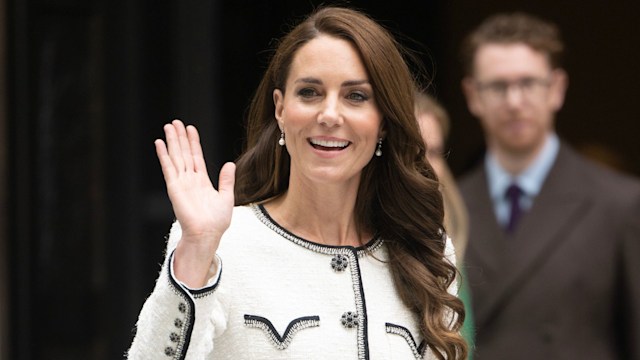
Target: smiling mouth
[328, 145]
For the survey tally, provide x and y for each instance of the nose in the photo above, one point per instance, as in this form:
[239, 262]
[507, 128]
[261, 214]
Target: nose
[514, 95]
[330, 114]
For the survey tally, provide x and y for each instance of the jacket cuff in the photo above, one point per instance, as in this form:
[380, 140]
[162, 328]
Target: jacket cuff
[213, 278]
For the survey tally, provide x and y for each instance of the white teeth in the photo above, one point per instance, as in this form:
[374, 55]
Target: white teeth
[329, 143]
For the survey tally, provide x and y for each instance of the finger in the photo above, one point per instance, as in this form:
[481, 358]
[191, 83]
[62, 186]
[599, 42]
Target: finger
[226, 181]
[184, 144]
[173, 146]
[168, 169]
[199, 164]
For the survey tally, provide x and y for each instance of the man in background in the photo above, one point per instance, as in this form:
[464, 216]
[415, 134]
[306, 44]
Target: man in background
[553, 259]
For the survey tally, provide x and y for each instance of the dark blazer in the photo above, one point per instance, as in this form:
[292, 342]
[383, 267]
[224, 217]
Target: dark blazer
[566, 284]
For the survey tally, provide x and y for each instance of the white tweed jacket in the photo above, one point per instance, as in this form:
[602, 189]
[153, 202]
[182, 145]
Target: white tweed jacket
[278, 296]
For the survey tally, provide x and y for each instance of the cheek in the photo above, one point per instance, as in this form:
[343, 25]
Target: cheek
[295, 114]
[488, 122]
[436, 162]
[372, 123]
[372, 133]
[484, 113]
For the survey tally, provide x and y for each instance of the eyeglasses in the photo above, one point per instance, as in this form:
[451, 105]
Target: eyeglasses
[529, 87]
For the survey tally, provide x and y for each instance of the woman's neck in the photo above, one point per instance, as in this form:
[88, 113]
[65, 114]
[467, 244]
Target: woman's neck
[323, 215]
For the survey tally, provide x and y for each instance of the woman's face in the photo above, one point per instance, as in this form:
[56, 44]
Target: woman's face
[431, 132]
[328, 113]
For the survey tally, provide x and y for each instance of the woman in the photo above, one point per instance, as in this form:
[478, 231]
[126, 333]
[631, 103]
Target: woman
[434, 127]
[331, 251]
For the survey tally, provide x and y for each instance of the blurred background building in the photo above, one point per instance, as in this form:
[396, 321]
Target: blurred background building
[85, 87]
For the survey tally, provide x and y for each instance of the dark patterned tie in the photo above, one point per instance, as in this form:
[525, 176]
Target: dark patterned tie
[513, 194]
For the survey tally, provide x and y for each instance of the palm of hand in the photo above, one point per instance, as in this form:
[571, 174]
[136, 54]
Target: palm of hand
[203, 212]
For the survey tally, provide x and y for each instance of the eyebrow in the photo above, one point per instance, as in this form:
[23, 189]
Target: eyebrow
[311, 80]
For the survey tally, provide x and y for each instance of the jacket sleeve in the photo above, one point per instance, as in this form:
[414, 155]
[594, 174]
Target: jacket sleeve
[177, 322]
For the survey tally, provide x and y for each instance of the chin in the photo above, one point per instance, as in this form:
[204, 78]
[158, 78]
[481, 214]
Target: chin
[520, 147]
[520, 141]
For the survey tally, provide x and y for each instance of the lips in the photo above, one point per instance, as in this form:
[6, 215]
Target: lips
[329, 145]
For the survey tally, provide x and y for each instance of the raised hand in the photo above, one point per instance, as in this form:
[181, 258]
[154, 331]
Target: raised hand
[203, 212]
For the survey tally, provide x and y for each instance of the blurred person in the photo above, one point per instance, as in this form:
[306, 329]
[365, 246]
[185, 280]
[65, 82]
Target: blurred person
[335, 246]
[434, 123]
[553, 258]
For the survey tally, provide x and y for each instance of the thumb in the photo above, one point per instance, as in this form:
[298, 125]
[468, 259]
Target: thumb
[227, 180]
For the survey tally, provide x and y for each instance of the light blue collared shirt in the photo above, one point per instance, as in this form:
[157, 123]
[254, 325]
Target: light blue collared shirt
[530, 180]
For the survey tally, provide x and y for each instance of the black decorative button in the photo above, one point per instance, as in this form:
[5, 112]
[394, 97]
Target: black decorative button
[339, 262]
[182, 308]
[169, 351]
[174, 337]
[349, 319]
[177, 323]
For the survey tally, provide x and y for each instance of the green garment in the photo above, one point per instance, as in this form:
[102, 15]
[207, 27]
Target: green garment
[468, 327]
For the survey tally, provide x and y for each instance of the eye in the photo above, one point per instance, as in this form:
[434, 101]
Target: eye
[357, 96]
[307, 92]
[527, 83]
[498, 87]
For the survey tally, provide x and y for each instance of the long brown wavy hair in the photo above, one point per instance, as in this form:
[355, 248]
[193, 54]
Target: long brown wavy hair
[398, 197]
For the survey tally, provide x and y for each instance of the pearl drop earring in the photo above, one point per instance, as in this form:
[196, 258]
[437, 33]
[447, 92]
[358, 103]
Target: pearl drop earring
[379, 149]
[281, 142]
